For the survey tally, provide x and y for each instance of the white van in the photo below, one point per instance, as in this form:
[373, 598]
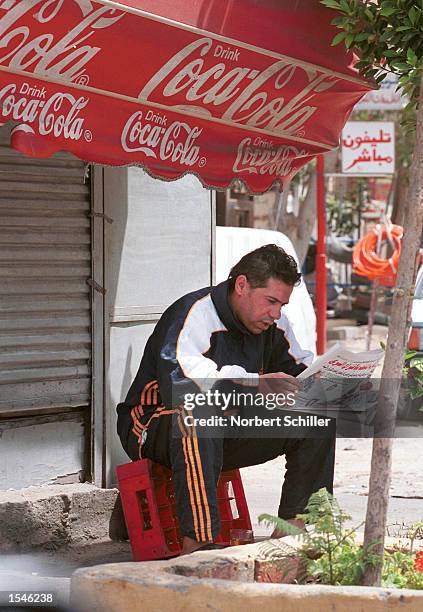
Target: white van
[234, 242]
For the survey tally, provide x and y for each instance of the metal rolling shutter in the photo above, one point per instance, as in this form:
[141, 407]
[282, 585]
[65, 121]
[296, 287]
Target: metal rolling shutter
[45, 262]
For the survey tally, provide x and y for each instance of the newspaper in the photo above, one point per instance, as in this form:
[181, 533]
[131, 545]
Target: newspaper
[342, 382]
[338, 361]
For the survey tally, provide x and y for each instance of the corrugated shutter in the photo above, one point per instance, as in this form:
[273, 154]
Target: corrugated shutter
[45, 262]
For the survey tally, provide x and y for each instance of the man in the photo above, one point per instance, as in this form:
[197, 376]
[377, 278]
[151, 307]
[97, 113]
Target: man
[233, 331]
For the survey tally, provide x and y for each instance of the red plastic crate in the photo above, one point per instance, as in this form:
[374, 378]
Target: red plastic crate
[149, 506]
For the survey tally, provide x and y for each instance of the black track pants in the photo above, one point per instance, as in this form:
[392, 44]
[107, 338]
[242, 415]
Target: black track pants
[196, 464]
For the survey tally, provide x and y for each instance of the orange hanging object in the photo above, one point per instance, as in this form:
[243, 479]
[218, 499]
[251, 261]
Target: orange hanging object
[367, 263]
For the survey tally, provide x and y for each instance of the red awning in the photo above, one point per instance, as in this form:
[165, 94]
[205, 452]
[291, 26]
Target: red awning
[224, 89]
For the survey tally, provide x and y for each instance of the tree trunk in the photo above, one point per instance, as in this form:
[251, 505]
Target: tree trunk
[306, 219]
[380, 475]
[307, 216]
[298, 228]
[400, 194]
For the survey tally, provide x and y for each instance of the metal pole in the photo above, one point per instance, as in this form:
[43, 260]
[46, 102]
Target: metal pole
[321, 292]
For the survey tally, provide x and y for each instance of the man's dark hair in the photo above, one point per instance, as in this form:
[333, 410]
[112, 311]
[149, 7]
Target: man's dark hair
[268, 261]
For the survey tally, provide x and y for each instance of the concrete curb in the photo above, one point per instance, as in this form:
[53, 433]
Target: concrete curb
[222, 581]
[59, 515]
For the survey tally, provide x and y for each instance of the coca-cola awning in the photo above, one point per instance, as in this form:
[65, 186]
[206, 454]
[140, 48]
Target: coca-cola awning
[247, 89]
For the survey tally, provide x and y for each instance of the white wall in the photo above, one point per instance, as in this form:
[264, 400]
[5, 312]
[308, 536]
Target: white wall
[158, 248]
[35, 454]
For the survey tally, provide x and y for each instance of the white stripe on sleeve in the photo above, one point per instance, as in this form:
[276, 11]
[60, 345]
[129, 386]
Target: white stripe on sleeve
[297, 353]
[194, 340]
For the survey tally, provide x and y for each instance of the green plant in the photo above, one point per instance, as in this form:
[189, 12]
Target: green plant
[399, 571]
[388, 34]
[329, 553]
[342, 215]
[413, 372]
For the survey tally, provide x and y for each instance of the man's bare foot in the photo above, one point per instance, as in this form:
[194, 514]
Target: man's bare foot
[189, 545]
[277, 533]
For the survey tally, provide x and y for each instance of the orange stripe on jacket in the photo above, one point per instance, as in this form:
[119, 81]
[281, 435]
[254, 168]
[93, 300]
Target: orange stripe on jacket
[151, 398]
[144, 391]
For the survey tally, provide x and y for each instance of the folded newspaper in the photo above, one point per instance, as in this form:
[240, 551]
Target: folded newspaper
[343, 382]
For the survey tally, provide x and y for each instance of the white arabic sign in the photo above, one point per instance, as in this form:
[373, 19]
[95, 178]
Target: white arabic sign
[368, 147]
[384, 98]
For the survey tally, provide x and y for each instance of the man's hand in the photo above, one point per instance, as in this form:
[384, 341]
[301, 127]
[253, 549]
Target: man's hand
[278, 382]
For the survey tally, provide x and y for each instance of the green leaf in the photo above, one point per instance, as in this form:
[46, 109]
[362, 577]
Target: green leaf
[369, 14]
[413, 15]
[410, 106]
[280, 524]
[400, 66]
[340, 21]
[417, 363]
[362, 36]
[386, 35]
[387, 11]
[338, 38]
[331, 4]
[349, 39]
[411, 57]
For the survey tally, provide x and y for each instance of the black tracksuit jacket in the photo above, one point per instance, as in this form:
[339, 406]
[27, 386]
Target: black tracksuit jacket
[198, 337]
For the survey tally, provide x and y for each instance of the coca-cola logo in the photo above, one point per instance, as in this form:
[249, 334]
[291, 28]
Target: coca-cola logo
[275, 161]
[269, 99]
[48, 54]
[56, 116]
[154, 139]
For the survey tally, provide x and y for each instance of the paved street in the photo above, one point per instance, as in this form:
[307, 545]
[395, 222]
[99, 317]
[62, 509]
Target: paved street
[353, 457]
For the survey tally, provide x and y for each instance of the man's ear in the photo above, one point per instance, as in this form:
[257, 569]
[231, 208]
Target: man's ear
[241, 284]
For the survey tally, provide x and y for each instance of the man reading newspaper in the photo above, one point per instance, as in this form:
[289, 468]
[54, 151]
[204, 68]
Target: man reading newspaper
[233, 331]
